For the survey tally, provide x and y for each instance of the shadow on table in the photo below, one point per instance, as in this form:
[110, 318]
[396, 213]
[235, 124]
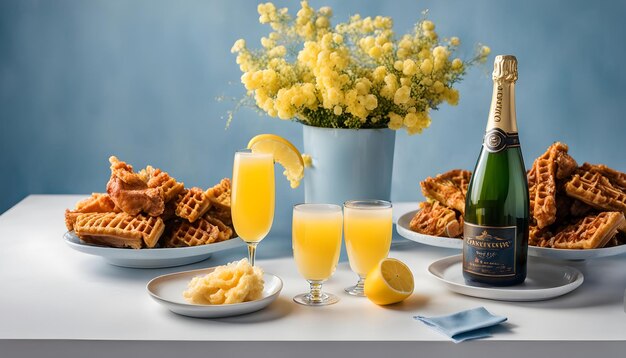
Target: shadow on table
[601, 287]
[411, 304]
[278, 309]
[503, 329]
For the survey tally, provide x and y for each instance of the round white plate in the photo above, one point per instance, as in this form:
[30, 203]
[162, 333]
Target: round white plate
[151, 258]
[168, 291]
[543, 281]
[404, 229]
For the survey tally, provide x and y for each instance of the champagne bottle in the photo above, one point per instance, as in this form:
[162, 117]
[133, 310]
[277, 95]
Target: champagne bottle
[495, 244]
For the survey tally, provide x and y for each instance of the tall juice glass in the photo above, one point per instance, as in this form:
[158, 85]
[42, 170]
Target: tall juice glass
[252, 200]
[316, 245]
[368, 230]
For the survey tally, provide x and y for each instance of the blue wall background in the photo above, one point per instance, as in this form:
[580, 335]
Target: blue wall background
[81, 80]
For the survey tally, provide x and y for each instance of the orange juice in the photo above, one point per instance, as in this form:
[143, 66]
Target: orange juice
[252, 201]
[316, 240]
[368, 237]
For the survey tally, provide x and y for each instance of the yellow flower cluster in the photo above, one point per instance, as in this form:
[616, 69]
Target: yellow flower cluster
[354, 75]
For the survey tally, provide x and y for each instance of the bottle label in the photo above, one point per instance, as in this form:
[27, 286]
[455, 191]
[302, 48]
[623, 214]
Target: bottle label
[489, 251]
[497, 140]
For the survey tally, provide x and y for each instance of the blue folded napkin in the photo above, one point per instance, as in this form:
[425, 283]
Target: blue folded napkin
[464, 325]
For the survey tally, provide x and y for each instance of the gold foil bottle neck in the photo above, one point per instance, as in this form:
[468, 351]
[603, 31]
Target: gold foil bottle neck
[505, 68]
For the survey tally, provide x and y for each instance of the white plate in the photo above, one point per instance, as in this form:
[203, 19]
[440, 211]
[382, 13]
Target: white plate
[168, 291]
[404, 229]
[564, 254]
[151, 258]
[543, 281]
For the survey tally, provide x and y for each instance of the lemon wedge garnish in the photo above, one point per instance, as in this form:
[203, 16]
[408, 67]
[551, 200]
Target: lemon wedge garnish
[285, 153]
[391, 281]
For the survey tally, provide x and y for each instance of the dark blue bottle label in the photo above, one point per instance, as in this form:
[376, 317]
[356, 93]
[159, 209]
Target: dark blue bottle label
[497, 140]
[489, 251]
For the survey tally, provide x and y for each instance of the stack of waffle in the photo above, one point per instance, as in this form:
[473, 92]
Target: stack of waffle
[151, 209]
[571, 206]
[575, 207]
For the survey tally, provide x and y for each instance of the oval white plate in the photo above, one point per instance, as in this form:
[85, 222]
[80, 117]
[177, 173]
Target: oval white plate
[543, 281]
[404, 229]
[151, 258]
[168, 291]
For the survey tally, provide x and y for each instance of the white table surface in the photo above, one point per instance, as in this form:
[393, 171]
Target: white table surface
[54, 300]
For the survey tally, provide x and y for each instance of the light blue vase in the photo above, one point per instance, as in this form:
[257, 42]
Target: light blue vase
[348, 164]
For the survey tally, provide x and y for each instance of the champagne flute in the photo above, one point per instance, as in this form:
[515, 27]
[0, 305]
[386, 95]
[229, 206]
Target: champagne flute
[368, 231]
[316, 246]
[252, 199]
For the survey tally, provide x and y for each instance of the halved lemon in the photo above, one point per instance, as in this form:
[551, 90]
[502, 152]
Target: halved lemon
[285, 153]
[391, 281]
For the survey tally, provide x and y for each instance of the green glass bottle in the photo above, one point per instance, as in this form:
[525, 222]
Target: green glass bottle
[495, 244]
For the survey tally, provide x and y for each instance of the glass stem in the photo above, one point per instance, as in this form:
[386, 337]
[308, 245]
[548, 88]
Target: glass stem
[252, 252]
[316, 291]
[360, 286]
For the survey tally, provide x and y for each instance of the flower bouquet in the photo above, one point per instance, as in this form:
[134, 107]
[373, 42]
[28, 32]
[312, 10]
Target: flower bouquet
[355, 75]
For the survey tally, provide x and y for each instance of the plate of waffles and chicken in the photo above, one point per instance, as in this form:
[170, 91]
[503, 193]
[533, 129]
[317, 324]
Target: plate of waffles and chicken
[576, 212]
[148, 219]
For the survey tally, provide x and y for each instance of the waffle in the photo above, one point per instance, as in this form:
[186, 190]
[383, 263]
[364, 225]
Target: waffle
[591, 232]
[70, 219]
[618, 179]
[225, 233]
[169, 212]
[220, 194]
[448, 188]
[119, 229]
[437, 220]
[186, 234]
[192, 204]
[96, 203]
[459, 177]
[160, 179]
[542, 184]
[578, 208]
[222, 215]
[596, 190]
[537, 236]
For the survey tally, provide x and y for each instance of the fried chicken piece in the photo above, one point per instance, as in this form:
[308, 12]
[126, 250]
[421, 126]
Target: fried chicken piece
[437, 220]
[131, 193]
[125, 173]
[156, 178]
[565, 165]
